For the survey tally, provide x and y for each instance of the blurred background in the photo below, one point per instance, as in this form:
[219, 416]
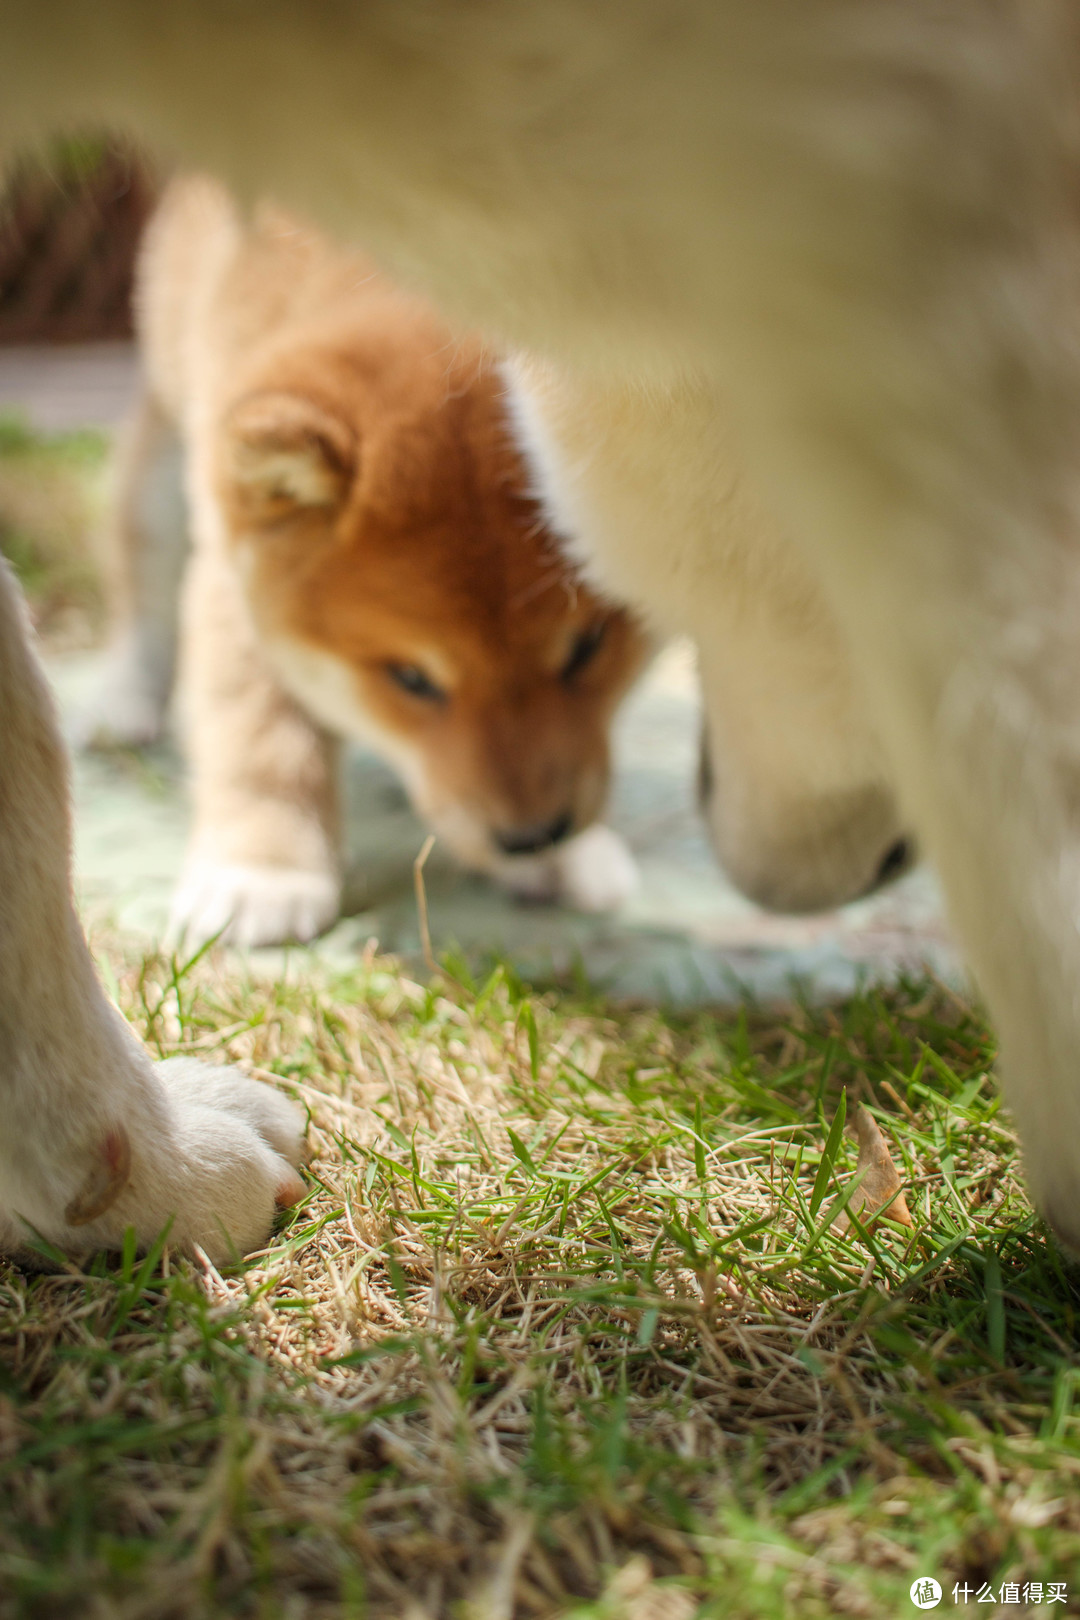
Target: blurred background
[70, 223]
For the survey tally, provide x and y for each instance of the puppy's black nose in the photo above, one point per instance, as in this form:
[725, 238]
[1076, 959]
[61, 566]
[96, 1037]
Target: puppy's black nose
[540, 835]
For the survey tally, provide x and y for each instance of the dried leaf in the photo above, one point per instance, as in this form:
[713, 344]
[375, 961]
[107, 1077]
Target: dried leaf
[632, 1594]
[879, 1192]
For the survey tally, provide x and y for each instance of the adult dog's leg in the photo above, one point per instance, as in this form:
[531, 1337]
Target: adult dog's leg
[93, 1137]
[911, 385]
[971, 655]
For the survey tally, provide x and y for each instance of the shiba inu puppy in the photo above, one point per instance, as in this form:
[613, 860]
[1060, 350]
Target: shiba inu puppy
[368, 562]
[854, 224]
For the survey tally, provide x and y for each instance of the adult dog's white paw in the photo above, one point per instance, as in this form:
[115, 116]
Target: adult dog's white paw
[252, 905]
[596, 871]
[192, 1083]
[204, 1151]
[236, 1144]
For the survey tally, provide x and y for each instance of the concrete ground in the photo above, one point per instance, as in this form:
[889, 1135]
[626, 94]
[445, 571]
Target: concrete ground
[685, 937]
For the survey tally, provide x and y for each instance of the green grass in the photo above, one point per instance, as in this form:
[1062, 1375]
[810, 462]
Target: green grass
[51, 499]
[563, 1327]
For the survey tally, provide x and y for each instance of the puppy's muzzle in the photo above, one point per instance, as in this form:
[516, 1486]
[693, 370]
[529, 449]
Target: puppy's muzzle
[531, 839]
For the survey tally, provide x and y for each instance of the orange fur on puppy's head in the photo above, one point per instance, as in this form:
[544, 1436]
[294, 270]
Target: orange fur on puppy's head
[409, 591]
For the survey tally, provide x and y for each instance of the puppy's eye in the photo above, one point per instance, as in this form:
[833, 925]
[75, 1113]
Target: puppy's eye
[586, 645]
[412, 679]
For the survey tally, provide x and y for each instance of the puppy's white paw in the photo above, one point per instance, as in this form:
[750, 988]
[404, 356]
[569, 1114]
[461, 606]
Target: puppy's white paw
[118, 720]
[128, 708]
[252, 905]
[532, 878]
[593, 872]
[596, 871]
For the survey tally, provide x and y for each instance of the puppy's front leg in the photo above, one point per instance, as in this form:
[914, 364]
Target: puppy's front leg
[263, 863]
[93, 1137]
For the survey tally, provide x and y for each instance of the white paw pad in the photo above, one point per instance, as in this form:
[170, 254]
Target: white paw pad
[593, 872]
[127, 710]
[252, 905]
[596, 870]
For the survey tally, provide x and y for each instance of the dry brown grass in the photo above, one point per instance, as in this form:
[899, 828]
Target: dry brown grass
[564, 1327]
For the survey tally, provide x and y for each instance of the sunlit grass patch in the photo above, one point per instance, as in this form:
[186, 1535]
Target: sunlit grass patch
[51, 499]
[565, 1325]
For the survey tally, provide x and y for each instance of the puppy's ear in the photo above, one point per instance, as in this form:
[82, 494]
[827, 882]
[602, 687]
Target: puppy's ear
[284, 453]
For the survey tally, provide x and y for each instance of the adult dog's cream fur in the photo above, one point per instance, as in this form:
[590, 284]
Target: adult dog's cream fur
[855, 220]
[794, 782]
[361, 517]
[94, 1137]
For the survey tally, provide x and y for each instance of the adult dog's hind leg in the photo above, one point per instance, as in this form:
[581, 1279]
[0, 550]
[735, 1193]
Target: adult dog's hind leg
[93, 1137]
[977, 681]
[914, 385]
